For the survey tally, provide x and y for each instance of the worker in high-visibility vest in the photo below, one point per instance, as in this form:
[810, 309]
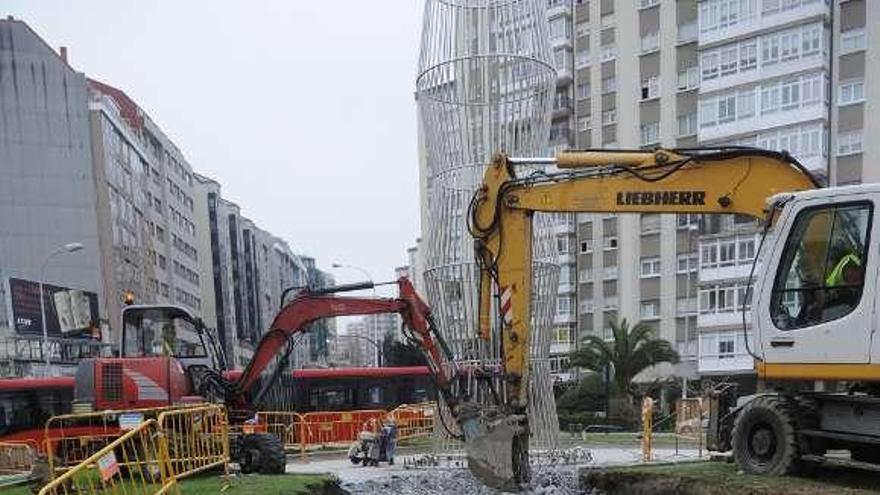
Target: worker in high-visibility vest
[847, 271]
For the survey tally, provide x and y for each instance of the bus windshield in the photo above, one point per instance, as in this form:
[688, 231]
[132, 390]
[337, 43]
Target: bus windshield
[156, 332]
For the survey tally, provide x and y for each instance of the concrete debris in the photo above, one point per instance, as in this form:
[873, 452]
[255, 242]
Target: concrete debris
[547, 480]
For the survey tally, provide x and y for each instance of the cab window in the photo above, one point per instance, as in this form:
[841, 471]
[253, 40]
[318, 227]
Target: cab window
[821, 274]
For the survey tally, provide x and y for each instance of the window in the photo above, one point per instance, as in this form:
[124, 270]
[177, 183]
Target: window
[608, 52]
[643, 4]
[650, 42]
[650, 309]
[584, 123]
[745, 250]
[726, 346]
[609, 117]
[687, 124]
[709, 65]
[688, 78]
[587, 246]
[709, 255]
[769, 99]
[583, 90]
[650, 267]
[849, 143]
[821, 273]
[610, 243]
[563, 305]
[727, 253]
[609, 85]
[745, 104]
[769, 50]
[852, 91]
[791, 94]
[748, 55]
[728, 59]
[811, 90]
[650, 88]
[650, 133]
[811, 40]
[686, 219]
[686, 263]
[790, 44]
[726, 109]
[708, 112]
[562, 245]
[561, 335]
[852, 40]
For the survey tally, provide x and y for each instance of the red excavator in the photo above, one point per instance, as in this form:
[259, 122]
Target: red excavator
[168, 357]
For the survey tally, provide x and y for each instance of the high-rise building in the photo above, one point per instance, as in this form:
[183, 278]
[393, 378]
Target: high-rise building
[785, 75]
[83, 163]
[146, 209]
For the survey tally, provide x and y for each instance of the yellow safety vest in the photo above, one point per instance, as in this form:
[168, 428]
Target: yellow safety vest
[836, 276]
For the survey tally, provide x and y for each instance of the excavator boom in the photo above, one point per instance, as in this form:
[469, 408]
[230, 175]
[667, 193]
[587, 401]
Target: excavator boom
[723, 180]
[308, 307]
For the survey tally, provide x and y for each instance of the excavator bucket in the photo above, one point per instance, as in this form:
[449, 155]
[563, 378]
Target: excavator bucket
[497, 451]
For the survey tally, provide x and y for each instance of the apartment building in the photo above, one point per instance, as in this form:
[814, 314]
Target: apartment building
[146, 211]
[83, 163]
[634, 82]
[785, 75]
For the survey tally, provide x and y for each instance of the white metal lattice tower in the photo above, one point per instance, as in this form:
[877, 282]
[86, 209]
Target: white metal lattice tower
[485, 84]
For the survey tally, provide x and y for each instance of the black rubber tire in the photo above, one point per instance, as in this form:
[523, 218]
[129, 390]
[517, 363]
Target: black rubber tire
[765, 437]
[355, 460]
[262, 453]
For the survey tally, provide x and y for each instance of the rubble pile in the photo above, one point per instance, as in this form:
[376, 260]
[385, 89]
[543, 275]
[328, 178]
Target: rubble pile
[547, 480]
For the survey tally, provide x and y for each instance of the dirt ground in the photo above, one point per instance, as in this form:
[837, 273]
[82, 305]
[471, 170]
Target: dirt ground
[718, 478]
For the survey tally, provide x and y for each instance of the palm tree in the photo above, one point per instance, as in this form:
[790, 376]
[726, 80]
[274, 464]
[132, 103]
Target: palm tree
[630, 351]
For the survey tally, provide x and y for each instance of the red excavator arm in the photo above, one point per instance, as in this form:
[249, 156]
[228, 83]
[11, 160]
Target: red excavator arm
[312, 305]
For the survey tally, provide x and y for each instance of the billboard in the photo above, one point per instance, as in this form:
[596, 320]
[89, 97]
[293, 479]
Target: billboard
[77, 308]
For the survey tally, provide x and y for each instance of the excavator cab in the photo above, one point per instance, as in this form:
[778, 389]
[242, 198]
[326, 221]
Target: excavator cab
[167, 330]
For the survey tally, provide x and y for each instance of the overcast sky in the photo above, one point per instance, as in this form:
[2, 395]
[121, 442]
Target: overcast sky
[302, 110]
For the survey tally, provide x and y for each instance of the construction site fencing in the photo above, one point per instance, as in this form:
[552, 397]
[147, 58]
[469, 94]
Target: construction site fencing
[195, 439]
[69, 439]
[16, 458]
[306, 431]
[134, 463]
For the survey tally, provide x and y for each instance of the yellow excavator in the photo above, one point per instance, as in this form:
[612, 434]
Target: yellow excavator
[813, 314]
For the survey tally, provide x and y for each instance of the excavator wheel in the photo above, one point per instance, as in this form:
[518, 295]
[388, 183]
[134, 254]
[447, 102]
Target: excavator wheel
[261, 453]
[765, 437]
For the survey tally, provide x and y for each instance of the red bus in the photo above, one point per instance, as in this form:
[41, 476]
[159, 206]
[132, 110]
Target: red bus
[26, 403]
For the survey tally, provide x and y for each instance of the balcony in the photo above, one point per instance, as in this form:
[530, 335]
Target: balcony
[561, 106]
[609, 272]
[760, 21]
[582, 60]
[558, 8]
[760, 122]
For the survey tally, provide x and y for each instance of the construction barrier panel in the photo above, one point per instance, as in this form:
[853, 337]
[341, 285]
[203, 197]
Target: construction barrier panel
[195, 438]
[69, 439]
[16, 458]
[337, 428]
[134, 463]
[290, 427]
[413, 420]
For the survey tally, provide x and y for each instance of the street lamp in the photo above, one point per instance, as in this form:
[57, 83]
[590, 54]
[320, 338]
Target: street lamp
[372, 317]
[71, 247]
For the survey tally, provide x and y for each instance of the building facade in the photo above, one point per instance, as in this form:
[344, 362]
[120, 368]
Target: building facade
[83, 163]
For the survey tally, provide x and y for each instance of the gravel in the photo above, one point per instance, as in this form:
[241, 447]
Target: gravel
[556, 480]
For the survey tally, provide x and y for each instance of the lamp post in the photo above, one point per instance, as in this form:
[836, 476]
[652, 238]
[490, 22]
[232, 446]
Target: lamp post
[372, 317]
[71, 247]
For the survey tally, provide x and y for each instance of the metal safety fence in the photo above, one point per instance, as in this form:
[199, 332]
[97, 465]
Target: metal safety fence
[133, 463]
[16, 458]
[195, 439]
[327, 429]
[69, 439]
